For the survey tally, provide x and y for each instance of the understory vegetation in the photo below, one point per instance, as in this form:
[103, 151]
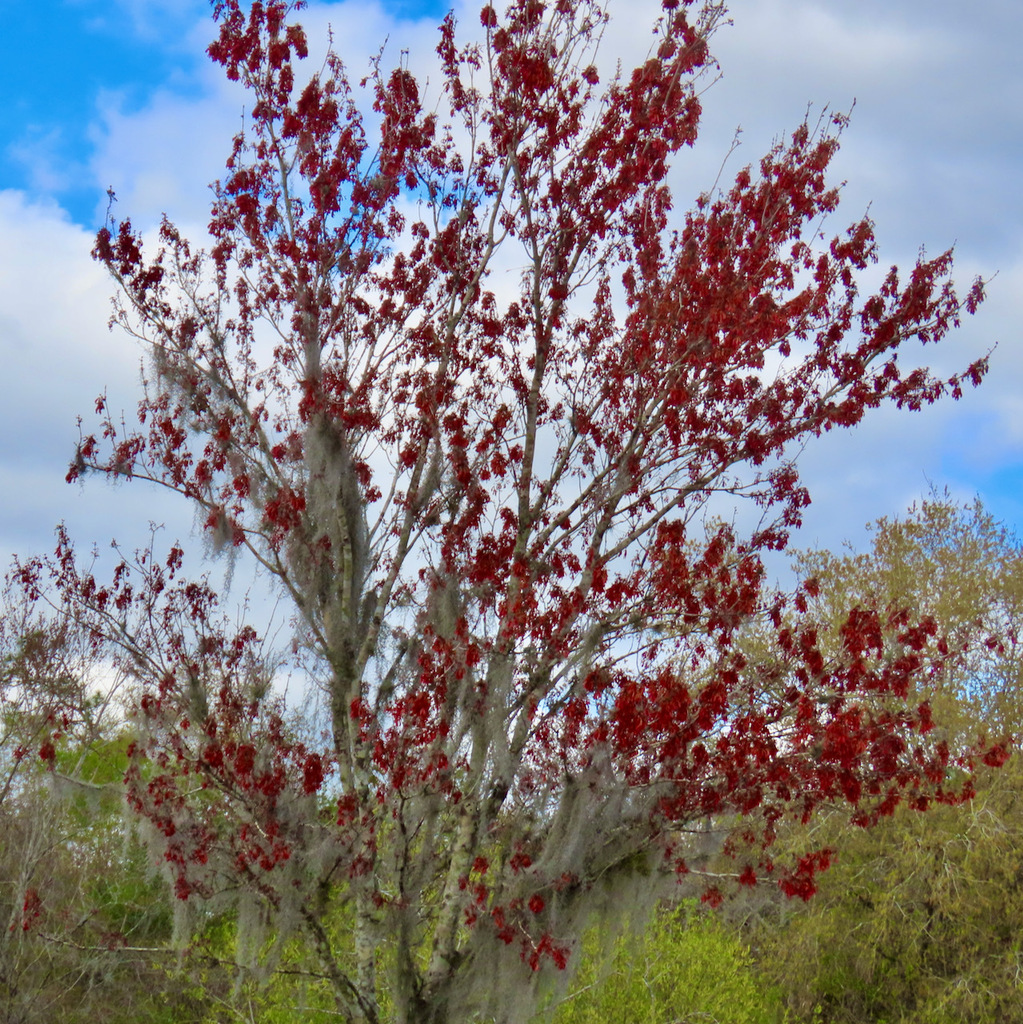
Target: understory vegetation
[917, 920]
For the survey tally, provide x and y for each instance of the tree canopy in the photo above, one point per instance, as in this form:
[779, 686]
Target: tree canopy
[490, 504]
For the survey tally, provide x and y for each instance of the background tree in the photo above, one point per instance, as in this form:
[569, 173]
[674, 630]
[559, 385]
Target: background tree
[46, 706]
[919, 920]
[85, 922]
[487, 502]
[685, 967]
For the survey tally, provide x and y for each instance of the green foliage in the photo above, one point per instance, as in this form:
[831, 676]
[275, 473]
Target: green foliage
[281, 981]
[920, 920]
[685, 968]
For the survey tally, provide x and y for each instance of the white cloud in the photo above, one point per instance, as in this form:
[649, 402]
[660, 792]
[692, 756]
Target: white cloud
[163, 157]
[57, 356]
[40, 153]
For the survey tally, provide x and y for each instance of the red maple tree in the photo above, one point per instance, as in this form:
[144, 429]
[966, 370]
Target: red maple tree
[487, 499]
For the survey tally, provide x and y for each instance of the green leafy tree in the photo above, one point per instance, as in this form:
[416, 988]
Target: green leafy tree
[920, 921]
[686, 968]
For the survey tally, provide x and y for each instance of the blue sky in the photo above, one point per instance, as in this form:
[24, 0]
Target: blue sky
[62, 62]
[119, 92]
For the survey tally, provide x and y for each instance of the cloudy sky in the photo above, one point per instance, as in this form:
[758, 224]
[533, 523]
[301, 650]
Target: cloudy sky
[99, 93]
